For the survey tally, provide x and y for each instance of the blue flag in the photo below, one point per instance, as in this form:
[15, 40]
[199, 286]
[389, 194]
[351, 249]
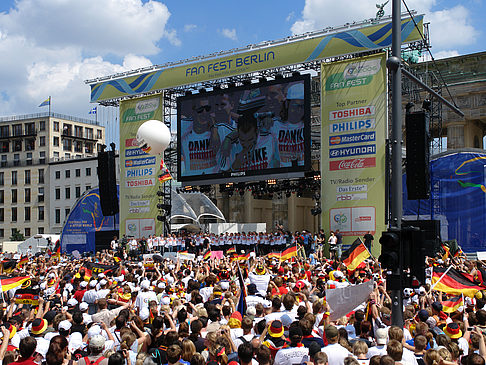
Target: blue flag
[93, 110]
[46, 102]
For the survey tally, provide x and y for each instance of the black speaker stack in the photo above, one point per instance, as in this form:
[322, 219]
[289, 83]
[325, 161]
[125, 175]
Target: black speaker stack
[107, 183]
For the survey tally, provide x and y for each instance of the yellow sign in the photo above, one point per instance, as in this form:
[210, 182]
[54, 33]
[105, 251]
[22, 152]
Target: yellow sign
[353, 132]
[286, 53]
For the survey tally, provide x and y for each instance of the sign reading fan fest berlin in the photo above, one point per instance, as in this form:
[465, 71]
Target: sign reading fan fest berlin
[353, 108]
[138, 175]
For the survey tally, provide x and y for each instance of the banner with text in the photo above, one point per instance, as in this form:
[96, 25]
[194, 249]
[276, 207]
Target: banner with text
[353, 132]
[307, 48]
[138, 170]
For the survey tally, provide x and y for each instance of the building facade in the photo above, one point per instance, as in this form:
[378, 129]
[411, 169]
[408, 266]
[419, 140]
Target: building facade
[27, 144]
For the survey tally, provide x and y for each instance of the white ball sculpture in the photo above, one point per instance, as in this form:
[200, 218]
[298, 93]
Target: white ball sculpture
[153, 137]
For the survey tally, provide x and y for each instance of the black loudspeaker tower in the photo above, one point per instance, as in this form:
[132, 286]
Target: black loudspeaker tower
[418, 155]
[107, 183]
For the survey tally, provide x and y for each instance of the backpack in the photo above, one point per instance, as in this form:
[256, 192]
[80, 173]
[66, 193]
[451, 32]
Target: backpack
[97, 362]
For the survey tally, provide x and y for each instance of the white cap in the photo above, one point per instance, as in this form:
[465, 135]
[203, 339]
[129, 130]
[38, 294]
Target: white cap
[83, 306]
[72, 302]
[145, 284]
[338, 274]
[94, 331]
[165, 301]
[83, 284]
[103, 282]
[97, 342]
[140, 264]
[101, 275]
[144, 313]
[43, 285]
[75, 341]
[224, 285]
[93, 283]
[65, 325]
[161, 285]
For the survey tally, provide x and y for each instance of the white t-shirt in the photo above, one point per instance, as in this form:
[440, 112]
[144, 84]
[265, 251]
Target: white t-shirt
[291, 355]
[144, 298]
[261, 282]
[290, 139]
[336, 354]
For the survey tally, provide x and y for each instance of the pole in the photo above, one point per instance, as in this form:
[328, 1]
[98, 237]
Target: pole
[393, 64]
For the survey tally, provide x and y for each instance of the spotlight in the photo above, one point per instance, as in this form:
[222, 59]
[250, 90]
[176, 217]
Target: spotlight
[202, 91]
[278, 76]
[296, 73]
[188, 92]
[316, 211]
[246, 82]
[427, 105]
[160, 193]
[272, 182]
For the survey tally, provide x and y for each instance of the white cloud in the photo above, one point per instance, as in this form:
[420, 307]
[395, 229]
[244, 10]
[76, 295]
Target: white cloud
[439, 55]
[290, 16]
[229, 33]
[189, 27]
[449, 28]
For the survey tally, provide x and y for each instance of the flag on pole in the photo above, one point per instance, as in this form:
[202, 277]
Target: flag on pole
[207, 255]
[274, 255]
[289, 253]
[23, 260]
[446, 252]
[241, 307]
[57, 250]
[7, 283]
[165, 176]
[231, 250]
[452, 281]
[46, 102]
[355, 255]
[452, 304]
[93, 110]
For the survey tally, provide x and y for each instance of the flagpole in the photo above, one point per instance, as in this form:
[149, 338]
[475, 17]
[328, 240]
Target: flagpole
[437, 282]
[49, 105]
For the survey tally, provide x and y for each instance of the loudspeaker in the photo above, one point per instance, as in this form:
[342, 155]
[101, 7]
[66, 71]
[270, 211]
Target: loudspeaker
[107, 183]
[431, 229]
[418, 154]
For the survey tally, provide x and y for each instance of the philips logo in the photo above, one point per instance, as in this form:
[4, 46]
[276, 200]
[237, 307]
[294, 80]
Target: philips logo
[353, 125]
[140, 172]
[140, 162]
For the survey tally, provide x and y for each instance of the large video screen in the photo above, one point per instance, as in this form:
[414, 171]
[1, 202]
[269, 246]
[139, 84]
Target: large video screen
[251, 132]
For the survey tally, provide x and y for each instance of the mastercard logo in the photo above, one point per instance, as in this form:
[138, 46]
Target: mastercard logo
[335, 140]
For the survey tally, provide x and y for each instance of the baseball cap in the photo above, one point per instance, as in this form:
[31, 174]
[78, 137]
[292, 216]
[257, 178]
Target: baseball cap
[83, 306]
[423, 315]
[252, 289]
[94, 331]
[97, 342]
[331, 331]
[145, 284]
[381, 335]
[65, 325]
[93, 283]
[72, 302]
[83, 284]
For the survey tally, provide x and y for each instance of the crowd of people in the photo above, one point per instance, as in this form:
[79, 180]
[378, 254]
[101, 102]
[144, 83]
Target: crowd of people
[99, 310]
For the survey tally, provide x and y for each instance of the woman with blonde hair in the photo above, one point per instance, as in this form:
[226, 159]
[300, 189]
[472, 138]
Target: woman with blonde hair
[188, 350]
[432, 357]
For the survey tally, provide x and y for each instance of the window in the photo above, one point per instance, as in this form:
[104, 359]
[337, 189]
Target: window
[67, 193]
[55, 141]
[78, 146]
[66, 212]
[88, 187]
[78, 172]
[78, 131]
[4, 146]
[14, 214]
[41, 213]
[27, 195]
[89, 148]
[27, 214]
[2, 215]
[67, 144]
[58, 216]
[2, 196]
[67, 156]
[41, 176]
[29, 129]
[17, 146]
[68, 174]
[89, 133]
[4, 131]
[14, 195]
[40, 230]
[27, 232]
[27, 177]
[58, 175]
[55, 126]
[67, 129]
[58, 193]
[30, 144]
[16, 159]
[42, 157]
[41, 194]
[42, 141]
[4, 161]
[88, 171]
[28, 161]
[17, 129]
[42, 125]
[78, 191]
[14, 177]
[56, 155]
[99, 134]
[2, 178]
[2, 233]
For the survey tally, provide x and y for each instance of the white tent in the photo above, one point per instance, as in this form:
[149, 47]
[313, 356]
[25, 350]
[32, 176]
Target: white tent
[39, 243]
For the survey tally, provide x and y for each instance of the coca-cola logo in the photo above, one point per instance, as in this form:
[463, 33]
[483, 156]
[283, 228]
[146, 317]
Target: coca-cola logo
[355, 163]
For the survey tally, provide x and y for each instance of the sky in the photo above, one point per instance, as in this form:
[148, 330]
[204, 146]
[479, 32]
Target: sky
[50, 47]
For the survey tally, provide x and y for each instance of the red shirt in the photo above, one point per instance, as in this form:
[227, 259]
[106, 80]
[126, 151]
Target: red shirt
[78, 295]
[281, 291]
[23, 361]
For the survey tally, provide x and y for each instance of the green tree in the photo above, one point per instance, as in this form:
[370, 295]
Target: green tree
[17, 236]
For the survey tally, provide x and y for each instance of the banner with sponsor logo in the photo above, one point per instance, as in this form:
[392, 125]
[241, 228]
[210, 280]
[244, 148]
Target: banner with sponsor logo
[306, 48]
[138, 175]
[353, 114]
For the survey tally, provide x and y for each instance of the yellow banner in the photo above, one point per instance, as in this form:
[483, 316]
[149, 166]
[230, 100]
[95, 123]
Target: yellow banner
[293, 51]
[138, 170]
[353, 132]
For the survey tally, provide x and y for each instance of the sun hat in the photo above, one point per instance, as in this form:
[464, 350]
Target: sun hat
[453, 331]
[39, 325]
[276, 329]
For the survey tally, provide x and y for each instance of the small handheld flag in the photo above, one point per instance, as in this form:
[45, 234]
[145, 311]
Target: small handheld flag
[46, 102]
[165, 174]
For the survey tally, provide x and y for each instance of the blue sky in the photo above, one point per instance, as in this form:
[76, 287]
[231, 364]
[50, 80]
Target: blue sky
[49, 47]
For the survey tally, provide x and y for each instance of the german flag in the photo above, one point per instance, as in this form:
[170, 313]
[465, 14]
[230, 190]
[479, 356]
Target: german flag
[274, 255]
[241, 257]
[7, 283]
[9, 265]
[117, 259]
[165, 175]
[452, 304]
[57, 250]
[454, 282]
[231, 250]
[355, 255]
[92, 268]
[183, 252]
[288, 253]
[446, 252]
[207, 255]
[23, 260]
